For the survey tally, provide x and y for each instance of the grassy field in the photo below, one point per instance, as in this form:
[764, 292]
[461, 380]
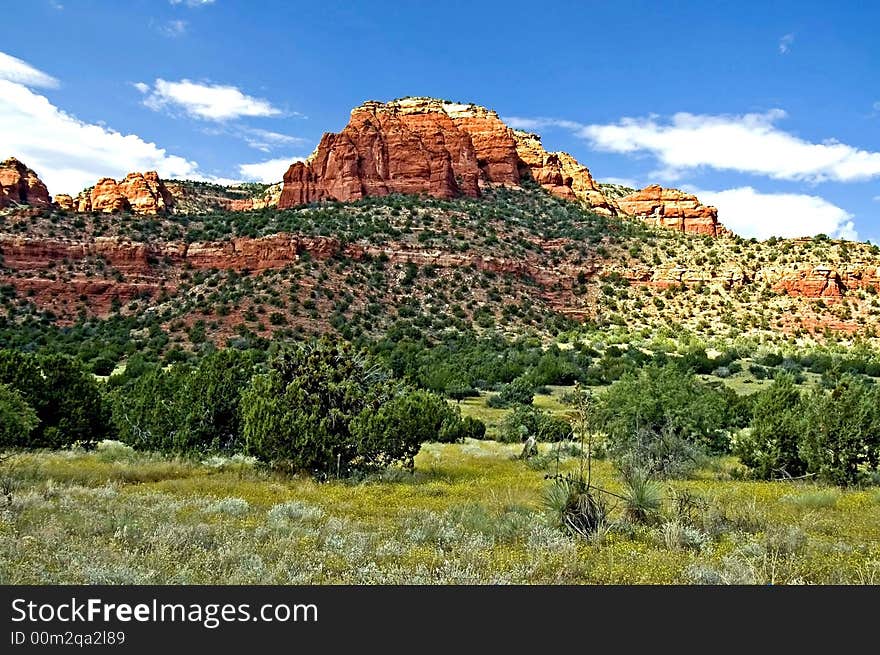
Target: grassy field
[470, 513]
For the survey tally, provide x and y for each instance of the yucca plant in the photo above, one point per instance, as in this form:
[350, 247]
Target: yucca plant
[642, 496]
[578, 508]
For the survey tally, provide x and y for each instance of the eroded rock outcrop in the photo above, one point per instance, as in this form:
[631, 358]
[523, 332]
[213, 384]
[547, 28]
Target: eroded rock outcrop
[65, 202]
[673, 209]
[19, 185]
[439, 148]
[146, 193]
[139, 193]
[826, 281]
[560, 173]
[820, 282]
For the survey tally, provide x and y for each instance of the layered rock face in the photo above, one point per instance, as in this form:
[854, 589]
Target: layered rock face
[139, 193]
[19, 185]
[672, 208]
[424, 145]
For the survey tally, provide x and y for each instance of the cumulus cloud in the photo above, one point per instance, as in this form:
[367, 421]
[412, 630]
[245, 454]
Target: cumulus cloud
[13, 69]
[213, 102]
[67, 153]
[267, 171]
[785, 44]
[751, 213]
[748, 143]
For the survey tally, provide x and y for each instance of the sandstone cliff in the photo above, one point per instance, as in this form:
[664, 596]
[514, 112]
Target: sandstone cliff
[439, 148]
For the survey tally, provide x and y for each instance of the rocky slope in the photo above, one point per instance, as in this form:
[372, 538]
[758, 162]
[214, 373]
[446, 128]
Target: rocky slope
[191, 197]
[515, 257]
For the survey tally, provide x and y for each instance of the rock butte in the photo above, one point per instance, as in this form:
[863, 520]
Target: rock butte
[445, 149]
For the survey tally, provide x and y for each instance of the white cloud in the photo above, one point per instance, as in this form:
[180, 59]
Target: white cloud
[267, 171]
[173, 28]
[141, 86]
[785, 44]
[192, 3]
[621, 181]
[70, 154]
[14, 69]
[266, 140]
[528, 124]
[751, 213]
[748, 143]
[214, 102]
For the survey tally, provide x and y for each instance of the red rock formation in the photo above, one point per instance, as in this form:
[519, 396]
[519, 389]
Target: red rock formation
[146, 193]
[105, 197]
[820, 282]
[423, 145]
[673, 209]
[65, 202]
[560, 173]
[139, 193]
[19, 185]
[393, 148]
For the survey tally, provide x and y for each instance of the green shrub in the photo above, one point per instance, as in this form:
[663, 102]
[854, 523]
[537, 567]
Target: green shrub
[841, 431]
[65, 397]
[663, 419]
[421, 415]
[771, 446]
[17, 418]
[526, 421]
[518, 392]
[185, 409]
[473, 428]
[328, 409]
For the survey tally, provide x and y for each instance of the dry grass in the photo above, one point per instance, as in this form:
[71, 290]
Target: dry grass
[470, 513]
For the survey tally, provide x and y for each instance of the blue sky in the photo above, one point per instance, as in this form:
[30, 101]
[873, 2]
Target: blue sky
[770, 112]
